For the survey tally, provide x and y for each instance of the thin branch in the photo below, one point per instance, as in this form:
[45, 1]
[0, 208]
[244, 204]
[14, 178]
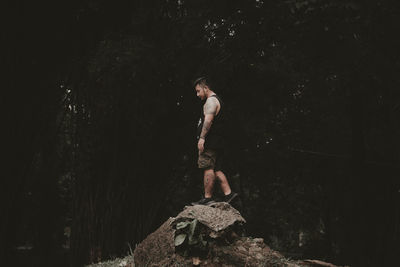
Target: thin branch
[341, 156]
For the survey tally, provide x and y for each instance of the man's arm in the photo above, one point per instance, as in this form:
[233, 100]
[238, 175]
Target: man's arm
[210, 110]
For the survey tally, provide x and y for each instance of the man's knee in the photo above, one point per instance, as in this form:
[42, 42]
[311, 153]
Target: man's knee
[220, 176]
[209, 171]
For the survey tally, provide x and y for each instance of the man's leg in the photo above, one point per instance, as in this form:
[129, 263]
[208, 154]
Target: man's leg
[206, 162]
[228, 194]
[223, 182]
[209, 178]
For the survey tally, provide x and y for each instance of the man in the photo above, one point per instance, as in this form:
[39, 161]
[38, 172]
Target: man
[210, 135]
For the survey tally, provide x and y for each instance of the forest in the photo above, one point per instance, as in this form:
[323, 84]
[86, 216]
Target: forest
[101, 119]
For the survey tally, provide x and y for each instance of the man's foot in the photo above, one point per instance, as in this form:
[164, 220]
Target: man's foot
[204, 201]
[230, 197]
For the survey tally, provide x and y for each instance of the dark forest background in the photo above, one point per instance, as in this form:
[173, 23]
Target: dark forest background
[101, 116]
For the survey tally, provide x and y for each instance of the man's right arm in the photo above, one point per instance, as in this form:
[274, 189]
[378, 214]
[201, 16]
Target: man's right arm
[210, 110]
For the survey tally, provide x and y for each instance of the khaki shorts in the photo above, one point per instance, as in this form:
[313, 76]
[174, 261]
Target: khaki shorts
[207, 159]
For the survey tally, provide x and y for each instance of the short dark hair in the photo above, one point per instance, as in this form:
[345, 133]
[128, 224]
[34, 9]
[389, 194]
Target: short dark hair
[203, 81]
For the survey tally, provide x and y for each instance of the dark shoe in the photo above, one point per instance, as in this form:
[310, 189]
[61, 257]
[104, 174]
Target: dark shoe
[204, 201]
[230, 197]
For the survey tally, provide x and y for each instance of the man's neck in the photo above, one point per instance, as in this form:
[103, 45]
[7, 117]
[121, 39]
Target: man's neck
[210, 93]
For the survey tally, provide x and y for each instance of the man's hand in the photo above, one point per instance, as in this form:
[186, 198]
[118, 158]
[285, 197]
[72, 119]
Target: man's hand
[200, 145]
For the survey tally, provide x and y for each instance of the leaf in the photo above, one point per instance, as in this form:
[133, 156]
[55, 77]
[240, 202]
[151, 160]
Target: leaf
[192, 227]
[182, 225]
[202, 241]
[193, 240]
[179, 239]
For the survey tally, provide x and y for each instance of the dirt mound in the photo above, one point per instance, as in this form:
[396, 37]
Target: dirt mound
[157, 248]
[209, 236]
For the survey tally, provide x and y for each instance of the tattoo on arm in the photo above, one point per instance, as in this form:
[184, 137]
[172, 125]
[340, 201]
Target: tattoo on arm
[206, 128]
[210, 109]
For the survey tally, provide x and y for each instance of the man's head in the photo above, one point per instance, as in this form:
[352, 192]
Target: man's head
[202, 87]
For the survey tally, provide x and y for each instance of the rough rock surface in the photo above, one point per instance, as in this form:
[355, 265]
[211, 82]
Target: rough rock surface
[209, 236]
[157, 248]
[216, 217]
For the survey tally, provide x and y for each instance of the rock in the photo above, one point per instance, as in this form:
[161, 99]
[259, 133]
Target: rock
[259, 256]
[258, 240]
[241, 248]
[254, 249]
[217, 217]
[196, 261]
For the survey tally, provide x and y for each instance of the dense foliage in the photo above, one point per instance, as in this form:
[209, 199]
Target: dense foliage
[102, 115]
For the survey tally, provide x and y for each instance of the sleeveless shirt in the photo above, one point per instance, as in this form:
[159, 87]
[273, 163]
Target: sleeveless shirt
[216, 135]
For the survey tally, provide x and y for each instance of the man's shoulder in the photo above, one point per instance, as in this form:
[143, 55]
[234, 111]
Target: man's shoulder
[214, 99]
[211, 106]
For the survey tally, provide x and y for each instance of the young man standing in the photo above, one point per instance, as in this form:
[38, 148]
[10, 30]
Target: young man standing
[211, 136]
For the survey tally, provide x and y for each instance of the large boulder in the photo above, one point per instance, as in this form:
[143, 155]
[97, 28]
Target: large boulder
[209, 236]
